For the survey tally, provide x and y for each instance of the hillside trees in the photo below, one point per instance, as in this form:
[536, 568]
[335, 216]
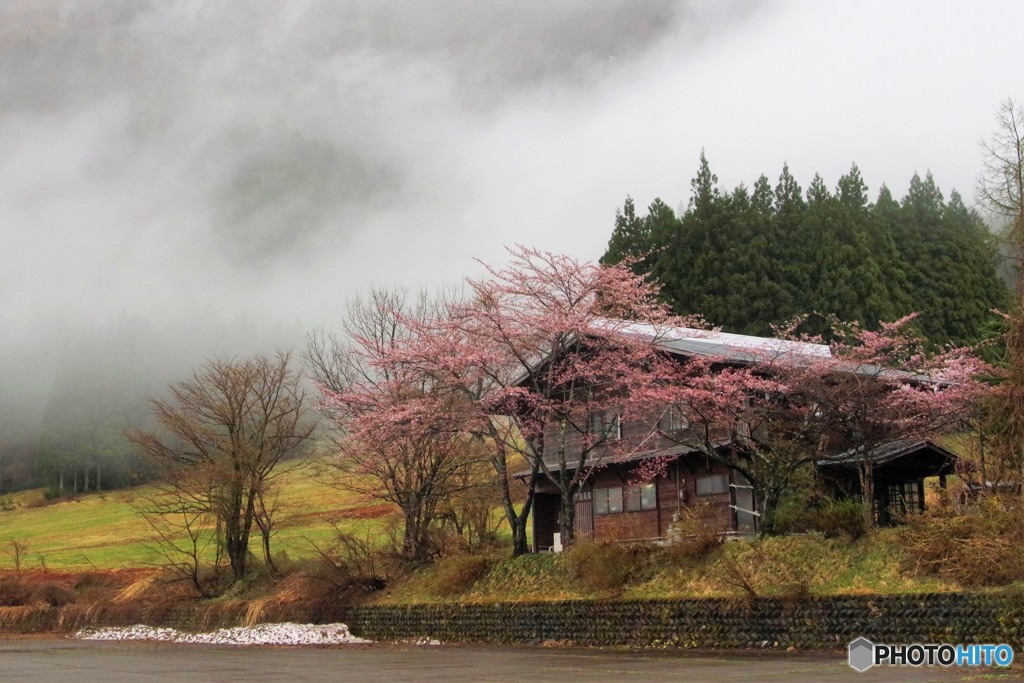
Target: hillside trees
[227, 434]
[95, 398]
[748, 259]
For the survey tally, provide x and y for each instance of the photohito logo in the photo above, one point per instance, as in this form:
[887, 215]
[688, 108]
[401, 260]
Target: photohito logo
[863, 654]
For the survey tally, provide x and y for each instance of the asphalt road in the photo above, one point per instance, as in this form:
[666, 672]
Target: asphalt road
[103, 662]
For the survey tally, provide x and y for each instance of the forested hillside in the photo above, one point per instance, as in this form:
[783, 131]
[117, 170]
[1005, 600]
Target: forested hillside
[752, 257]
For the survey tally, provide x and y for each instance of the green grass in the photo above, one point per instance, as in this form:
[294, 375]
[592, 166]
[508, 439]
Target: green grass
[104, 531]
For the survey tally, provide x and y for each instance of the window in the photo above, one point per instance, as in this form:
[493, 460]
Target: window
[673, 420]
[709, 486]
[630, 498]
[607, 501]
[606, 425]
[904, 499]
[642, 497]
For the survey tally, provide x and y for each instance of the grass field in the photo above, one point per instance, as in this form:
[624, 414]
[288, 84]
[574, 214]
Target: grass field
[104, 530]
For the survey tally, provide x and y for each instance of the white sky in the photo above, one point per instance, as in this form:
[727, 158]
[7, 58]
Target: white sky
[155, 157]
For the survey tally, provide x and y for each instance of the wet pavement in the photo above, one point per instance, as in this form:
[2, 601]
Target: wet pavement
[105, 662]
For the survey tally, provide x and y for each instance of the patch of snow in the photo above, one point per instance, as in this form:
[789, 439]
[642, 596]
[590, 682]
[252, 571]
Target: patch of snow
[261, 634]
[422, 640]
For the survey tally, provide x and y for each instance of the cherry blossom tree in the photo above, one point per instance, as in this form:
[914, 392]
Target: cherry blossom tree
[401, 435]
[770, 411]
[550, 367]
[883, 386]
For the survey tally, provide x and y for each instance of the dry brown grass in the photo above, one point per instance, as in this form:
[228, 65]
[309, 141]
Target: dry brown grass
[458, 573]
[980, 545]
[692, 535]
[24, 619]
[601, 566]
[135, 590]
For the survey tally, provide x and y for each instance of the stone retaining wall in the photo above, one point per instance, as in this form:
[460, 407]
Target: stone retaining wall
[826, 623]
[814, 623]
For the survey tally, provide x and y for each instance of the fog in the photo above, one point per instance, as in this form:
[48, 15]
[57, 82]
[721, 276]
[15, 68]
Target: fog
[181, 178]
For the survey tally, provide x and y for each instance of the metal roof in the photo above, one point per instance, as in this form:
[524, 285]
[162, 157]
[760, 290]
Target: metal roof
[689, 341]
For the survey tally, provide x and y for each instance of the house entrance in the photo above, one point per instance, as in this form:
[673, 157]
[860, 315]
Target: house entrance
[583, 525]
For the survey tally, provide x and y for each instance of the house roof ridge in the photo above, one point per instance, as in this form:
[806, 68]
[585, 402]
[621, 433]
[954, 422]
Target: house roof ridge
[690, 340]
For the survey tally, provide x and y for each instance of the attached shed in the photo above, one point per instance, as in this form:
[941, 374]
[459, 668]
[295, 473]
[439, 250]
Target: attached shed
[898, 470]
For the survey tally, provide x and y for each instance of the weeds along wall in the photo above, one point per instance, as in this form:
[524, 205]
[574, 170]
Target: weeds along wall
[813, 623]
[194, 617]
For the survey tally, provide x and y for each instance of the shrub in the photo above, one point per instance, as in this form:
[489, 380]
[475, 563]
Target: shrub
[805, 508]
[351, 564]
[14, 593]
[53, 594]
[96, 581]
[981, 545]
[842, 518]
[455, 574]
[692, 536]
[53, 493]
[780, 566]
[798, 510]
[600, 566]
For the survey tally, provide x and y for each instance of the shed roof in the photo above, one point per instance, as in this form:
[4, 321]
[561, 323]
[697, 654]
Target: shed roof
[920, 455]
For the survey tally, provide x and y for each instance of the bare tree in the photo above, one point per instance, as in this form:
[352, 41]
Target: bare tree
[226, 432]
[184, 532]
[1001, 192]
[1001, 183]
[18, 550]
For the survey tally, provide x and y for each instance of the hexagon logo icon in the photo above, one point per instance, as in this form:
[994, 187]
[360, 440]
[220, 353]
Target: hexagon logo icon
[861, 654]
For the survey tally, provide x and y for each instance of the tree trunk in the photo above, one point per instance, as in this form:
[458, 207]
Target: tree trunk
[567, 520]
[516, 520]
[266, 550]
[236, 541]
[867, 491]
[411, 538]
[519, 544]
[769, 500]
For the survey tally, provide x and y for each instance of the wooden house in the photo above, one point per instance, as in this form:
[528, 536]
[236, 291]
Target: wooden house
[616, 504]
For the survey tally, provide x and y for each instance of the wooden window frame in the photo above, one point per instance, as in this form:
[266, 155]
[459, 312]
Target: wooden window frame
[603, 498]
[635, 494]
[724, 478]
